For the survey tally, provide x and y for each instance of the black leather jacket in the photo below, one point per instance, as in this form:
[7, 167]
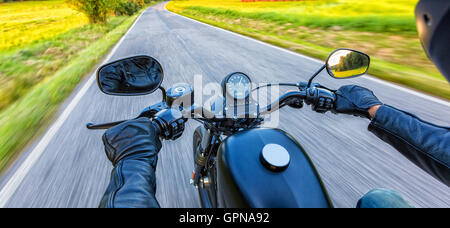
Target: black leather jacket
[133, 148]
[133, 181]
[423, 143]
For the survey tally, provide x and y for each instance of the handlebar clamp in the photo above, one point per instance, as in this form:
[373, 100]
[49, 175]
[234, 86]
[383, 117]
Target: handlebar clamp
[320, 99]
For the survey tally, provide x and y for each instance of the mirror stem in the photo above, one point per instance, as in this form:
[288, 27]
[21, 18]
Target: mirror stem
[164, 94]
[315, 74]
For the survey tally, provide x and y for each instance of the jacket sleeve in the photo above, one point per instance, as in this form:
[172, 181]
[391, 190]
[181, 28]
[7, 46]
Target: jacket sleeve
[423, 143]
[132, 185]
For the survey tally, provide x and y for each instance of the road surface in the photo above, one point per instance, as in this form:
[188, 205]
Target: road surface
[67, 167]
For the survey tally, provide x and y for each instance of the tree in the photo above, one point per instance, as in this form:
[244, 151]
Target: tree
[351, 61]
[128, 7]
[96, 10]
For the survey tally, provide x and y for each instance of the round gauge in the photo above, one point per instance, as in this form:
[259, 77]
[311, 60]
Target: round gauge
[238, 85]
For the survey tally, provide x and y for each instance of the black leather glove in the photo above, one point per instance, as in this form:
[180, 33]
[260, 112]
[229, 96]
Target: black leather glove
[142, 74]
[135, 138]
[355, 100]
[133, 148]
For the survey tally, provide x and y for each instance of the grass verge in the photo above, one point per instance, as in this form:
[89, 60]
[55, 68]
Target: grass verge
[396, 52]
[28, 116]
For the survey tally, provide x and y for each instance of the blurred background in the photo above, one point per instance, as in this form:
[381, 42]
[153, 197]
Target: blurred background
[384, 29]
[48, 47]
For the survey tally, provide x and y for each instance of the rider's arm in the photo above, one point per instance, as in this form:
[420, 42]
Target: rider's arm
[425, 144]
[132, 185]
[133, 148]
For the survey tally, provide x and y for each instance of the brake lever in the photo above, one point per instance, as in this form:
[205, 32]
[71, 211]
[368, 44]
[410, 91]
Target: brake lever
[324, 87]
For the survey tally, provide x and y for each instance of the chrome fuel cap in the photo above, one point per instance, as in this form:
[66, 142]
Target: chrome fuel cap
[275, 157]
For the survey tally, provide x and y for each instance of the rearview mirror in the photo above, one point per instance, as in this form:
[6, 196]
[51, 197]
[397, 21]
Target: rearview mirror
[347, 63]
[139, 75]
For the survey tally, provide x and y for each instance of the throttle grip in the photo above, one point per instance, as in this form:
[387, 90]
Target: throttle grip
[170, 123]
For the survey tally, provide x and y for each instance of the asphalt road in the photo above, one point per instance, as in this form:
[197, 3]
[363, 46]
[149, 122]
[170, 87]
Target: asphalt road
[72, 170]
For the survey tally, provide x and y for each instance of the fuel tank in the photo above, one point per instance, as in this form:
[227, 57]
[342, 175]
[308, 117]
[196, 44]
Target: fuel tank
[284, 178]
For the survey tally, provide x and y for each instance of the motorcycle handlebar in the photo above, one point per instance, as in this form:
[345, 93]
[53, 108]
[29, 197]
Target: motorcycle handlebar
[284, 100]
[321, 99]
[205, 114]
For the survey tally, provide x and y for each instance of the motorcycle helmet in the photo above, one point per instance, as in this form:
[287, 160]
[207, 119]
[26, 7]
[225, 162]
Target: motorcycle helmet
[433, 25]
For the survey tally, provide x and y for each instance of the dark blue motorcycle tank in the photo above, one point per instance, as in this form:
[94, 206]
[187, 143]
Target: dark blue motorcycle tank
[243, 181]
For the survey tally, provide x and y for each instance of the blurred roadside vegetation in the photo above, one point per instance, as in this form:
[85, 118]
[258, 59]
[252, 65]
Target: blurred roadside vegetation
[98, 10]
[384, 29]
[46, 48]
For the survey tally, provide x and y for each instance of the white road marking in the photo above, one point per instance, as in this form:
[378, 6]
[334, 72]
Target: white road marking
[15, 180]
[372, 78]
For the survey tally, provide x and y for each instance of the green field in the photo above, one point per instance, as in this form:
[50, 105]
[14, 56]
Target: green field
[346, 73]
[37, 74]
[40, 20]
[384, 29]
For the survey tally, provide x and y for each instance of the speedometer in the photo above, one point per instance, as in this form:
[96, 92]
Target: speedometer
[238, 85]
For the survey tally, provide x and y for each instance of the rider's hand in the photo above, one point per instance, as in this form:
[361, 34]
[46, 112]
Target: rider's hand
[132, 139]
[356, 100]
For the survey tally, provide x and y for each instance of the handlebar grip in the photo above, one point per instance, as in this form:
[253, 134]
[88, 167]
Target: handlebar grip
[170, 123]
[157, 128]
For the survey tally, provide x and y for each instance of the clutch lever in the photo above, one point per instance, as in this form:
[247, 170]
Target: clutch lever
[148, 112]
[103, 126]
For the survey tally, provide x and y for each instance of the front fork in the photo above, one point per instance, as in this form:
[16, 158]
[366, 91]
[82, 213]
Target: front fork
[203, 154]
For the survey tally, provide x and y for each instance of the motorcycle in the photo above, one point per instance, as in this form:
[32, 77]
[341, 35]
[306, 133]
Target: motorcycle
[238, 163]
